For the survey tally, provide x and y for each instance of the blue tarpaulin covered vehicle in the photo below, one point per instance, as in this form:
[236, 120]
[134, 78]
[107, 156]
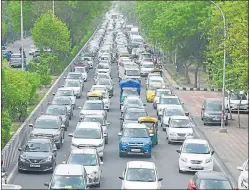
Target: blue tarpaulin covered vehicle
[129, 87]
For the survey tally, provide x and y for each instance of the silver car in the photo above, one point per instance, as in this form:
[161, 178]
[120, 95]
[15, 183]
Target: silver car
[68, 92]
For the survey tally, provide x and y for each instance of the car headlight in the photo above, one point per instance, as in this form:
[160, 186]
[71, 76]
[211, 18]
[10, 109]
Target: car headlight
[184, 159]
[208, 160]
[75, 145]
[48, 159]
[124, 143]
[206, 115]
[22, 158]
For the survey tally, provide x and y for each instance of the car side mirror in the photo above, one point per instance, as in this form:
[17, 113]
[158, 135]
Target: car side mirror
[70, 135]
[187, 113]
[54, 93]
[179, 151]
[20, 149]
[144, 104]
[64, 77]
[121, 118]
[212, 152]
[63, 126]
[101, 163]
[30, 125]
[54, 150]
[160, 179]
[240, 168]
[119, 134]
[122, 178]
[46, 184]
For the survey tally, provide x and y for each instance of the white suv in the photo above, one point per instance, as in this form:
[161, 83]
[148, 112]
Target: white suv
[243, 177]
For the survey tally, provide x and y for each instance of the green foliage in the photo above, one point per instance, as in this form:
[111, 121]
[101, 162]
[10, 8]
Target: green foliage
[5, 128]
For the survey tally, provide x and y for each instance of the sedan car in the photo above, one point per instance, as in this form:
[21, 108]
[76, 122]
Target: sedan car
[68, 92]
[89, 158]
[210, 180]
[81, 70]
[75, 76]
[15, 60]
[49, 126]
[101, 76]
[132, 100]
[140, 175]
[61, 111]
[160, 92]
[93, 107]
[243, 177]
[38, 154]
[194, 155]
[64, 101]
[108, 84]
[75, 85]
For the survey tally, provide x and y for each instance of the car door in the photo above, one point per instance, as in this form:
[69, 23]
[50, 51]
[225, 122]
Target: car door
[168, 128]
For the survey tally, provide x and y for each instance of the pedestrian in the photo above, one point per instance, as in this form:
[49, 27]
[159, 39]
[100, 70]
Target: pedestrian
[20, 49]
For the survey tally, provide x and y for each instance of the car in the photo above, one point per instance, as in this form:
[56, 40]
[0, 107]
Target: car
[6, 54]
[195, 155]
[243, 177]
[75, 85]
[232, 101]
[49, 126]
[171, 110]
[11, 186]
[32, 49]
[87, 57]
[179, 128]
[209, 180]
[160, 92]
[99, 88]
[151, 75]
[38, 154]
[151, 90]
[81, 70]
[135, 140]
[165, 101]
[211, 112]
[103, 68]
[59, 110]
[132, 100]
[93, 107]
[88, 134]
[75, 76]
[146, 68]
[68, 176]
[157, 80]
[140, 175]
[89, 158]
[131, 116]
[68, 92]
[106, 99]
[108, 84]
[100, 119]
[101, 76]
[64, 101]
[132, 73]
[15, 60]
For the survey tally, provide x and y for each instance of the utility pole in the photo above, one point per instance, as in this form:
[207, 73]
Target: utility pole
[22, 50]
[53, 8]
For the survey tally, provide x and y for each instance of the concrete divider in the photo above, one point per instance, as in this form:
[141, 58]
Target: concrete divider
[10, 152]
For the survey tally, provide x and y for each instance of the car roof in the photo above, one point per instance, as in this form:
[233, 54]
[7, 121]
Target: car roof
[69, 169]
[65, 88]
[197, 141]
[179, 117]
[48, 117]
[211, 175]
[57, 106]
[132, 69]
[132, 109]
[99, 86]
[62, 97]
[141, 164]
[84, 151]
[163, 90]
[170, 97]
[94, 116]
[73, 73]
[136, 125]
[94, 101]
[173, 107]
[156, 77]
[40, 140]
[84, 124]
[133, 97]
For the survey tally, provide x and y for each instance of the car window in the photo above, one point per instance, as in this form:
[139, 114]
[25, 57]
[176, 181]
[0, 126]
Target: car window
[68, 181]
[237, 96]
[87, 133]
[172, 101]
[47, 124]
[129, 115]
[163, 93]
[64, 93]
[74, 76]
[93, 106]
[215, 184]
[195, 148]
[180, 123]
[174, 112]
[132, 73]
[83, 159]
[94, 119]
[61, 101]
[72, 84]
[135, 133]
[37, 147]
[56, 110]
[214, 106]
[141, 175]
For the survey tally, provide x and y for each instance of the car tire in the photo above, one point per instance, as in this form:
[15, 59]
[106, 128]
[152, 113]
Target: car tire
[102, 158]
[98, 184]
[58, 146]
[204, 123]
[164, 129]
[19, 170]
[169, 142]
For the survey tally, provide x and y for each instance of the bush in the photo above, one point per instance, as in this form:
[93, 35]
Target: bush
[5, 128]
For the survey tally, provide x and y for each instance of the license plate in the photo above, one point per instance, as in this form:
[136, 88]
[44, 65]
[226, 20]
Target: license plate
[135, 150]
[196, 167]
[216, 119]
[35, 165]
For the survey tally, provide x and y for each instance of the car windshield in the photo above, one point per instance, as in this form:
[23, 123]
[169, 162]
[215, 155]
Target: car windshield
[72, 84]
[132, 73]
[141, 175]
[47, 124]
[133, 101]
[156, 80]
[80, 69]
[195, 148]
[163, 93]
[173, 101]
[214, 106]
[147, 56]
[83, 159]
[37, 147]
[16, 56]
[174, 112]
[180, 123]
[74, 76]
[93, 106]
[135, 133]
[61, 101]
[87, 133]
[237, 96]
[154, 87]
[129, 115]
[103, 66]
[148, 65]
[215, 184]
[94, 119]
[130, 92]
[68, 182]
[104, 82]
[103, 76]
[64, 93]
[56, 111]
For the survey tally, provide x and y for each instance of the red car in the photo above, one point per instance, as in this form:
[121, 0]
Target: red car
[210, 180]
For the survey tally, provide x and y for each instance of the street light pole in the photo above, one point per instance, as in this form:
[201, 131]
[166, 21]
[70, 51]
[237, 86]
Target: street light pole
[53, 8]
[22, 50]
[223, 129]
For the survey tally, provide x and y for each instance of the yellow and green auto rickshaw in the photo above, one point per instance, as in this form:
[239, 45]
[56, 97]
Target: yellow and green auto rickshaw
[152, 126]
[94, 95]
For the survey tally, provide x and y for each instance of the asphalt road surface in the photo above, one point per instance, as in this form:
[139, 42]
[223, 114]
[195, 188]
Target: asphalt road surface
[164, 155]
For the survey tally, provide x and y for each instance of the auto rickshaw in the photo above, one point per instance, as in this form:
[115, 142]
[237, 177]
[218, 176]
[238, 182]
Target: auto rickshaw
[94, 95]
[157, 70]
[152, 126]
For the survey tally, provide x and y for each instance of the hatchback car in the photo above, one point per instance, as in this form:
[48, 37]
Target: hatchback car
[108, 84]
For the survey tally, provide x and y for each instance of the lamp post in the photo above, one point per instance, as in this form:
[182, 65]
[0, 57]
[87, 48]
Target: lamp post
[22, 50]
[53, 8]
[222, 128]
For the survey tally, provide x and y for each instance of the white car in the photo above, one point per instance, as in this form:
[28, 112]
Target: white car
[132, 100]
[140, 175]
[171, 110]
[179, 128]
[232, 101]
[32, 49]
[92, 107]
[151, 75]
[88, 134]
[195, 155]
[81, 70]
[98, 87]
[106, 99]
[146, 68]
[243, 177]
[156, 79]
[165, 101]
[159, 93]
[67, 91]
[89, 158]
[102, 76]
[75, 85]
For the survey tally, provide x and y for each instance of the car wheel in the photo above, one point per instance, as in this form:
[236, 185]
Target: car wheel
[164, 129]
[59, 145]
[70, 117]
[169, 142]
[102, 158]
[20, 170]
[204, 123]
[98, 184]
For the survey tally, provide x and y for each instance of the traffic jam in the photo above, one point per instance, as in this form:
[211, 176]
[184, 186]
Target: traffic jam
[117, 51]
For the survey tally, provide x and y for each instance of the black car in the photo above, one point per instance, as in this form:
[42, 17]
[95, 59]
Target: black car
[210, 180]
[59, 110]
[38, 154]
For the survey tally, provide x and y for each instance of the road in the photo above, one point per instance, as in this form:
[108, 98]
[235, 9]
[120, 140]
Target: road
[164, 155]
